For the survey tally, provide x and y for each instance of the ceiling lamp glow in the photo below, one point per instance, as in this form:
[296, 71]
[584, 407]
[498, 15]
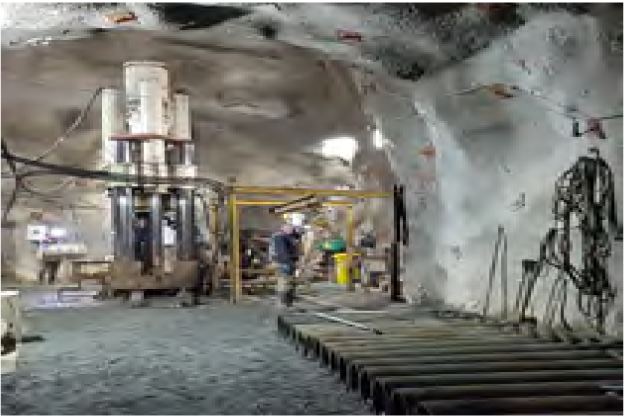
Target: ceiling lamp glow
[58, 232]
[378, 139]
[344, 147]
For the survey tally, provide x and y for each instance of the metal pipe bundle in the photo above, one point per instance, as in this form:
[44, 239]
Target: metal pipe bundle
[417, 366]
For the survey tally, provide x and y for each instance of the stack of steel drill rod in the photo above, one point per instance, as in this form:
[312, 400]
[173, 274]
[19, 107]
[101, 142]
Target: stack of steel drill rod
[417, 363]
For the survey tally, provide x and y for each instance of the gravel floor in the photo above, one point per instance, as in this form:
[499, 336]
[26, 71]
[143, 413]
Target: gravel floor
[215, 359]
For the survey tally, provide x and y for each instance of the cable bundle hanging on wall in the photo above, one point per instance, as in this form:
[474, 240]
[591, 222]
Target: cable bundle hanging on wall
[70, 171]
[585, 193]
[594, 123]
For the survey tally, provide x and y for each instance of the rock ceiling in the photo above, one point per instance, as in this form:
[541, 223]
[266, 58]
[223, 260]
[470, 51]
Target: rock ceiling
[268, 82]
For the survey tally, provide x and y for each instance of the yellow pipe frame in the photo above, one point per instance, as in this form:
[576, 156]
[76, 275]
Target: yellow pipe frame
[233, 212]
[214, 227]
[235, 277]
[240, 189]
[350, 243]
[273, 203]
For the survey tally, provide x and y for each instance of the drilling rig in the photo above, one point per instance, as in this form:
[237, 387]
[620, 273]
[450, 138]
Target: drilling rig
[146, 136]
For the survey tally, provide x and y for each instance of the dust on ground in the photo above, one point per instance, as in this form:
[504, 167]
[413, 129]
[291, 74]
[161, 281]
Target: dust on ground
[215, 359]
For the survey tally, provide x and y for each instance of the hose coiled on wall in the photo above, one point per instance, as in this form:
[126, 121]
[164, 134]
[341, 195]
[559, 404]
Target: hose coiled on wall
[584, 201]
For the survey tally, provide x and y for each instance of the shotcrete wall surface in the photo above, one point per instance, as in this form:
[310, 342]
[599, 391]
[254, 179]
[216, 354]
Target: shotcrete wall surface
[496, 160]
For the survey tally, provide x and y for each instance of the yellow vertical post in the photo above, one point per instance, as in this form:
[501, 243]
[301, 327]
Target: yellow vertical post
[214, 230]
[235, 279]
[214, 221]
[350, 245]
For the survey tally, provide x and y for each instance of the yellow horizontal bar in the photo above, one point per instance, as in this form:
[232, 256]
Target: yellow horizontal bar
[241, 189]
[275, 203]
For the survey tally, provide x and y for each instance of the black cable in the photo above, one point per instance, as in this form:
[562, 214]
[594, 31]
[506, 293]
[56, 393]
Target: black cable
[54, 169]
[79, 120]
[107, 176]
[583, 194]
[403, 219]
[16, 187]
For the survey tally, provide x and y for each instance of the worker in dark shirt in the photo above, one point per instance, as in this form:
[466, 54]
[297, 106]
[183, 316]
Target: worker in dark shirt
[284, 254]
[142, 244]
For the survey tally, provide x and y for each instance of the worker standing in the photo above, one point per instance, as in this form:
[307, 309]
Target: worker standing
[49, 266]
[142, 244]
[284, 255]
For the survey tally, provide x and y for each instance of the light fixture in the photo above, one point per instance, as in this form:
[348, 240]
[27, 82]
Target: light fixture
[58, 232]
[378, 139]
[344, 147]
[36, 233]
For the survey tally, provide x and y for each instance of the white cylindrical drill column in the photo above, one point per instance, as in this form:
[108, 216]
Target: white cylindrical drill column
[148, 105]
[147, 97]
[181, 128]
[112, 123]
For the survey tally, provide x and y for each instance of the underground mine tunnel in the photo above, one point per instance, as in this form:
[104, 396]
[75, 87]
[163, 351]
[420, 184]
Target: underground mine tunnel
[310, 208]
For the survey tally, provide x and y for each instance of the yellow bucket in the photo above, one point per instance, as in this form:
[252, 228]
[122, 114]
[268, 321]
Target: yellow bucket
[342, 263]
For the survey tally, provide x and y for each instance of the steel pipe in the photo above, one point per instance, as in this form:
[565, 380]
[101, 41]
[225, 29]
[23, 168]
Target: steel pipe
[346, 322]
[123, 153]
[384, 340]
[382, 389]
[603, 413]
[410, 331]
[186, 153]
[368, 374]
[122, 216]
[331, 355]
[185, 232]
[340, 360]
[326, 351]
[156, 230]
[317, 346]
[526, 405]
[406, 400]
[352, 368]
[405, 339]
[347, 334]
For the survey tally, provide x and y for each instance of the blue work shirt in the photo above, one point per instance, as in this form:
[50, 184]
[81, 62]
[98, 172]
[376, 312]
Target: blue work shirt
[284, 250]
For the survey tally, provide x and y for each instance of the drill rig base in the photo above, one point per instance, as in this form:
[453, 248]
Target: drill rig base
[127, 276]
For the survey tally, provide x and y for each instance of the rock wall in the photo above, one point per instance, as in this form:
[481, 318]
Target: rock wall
[473, 160]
